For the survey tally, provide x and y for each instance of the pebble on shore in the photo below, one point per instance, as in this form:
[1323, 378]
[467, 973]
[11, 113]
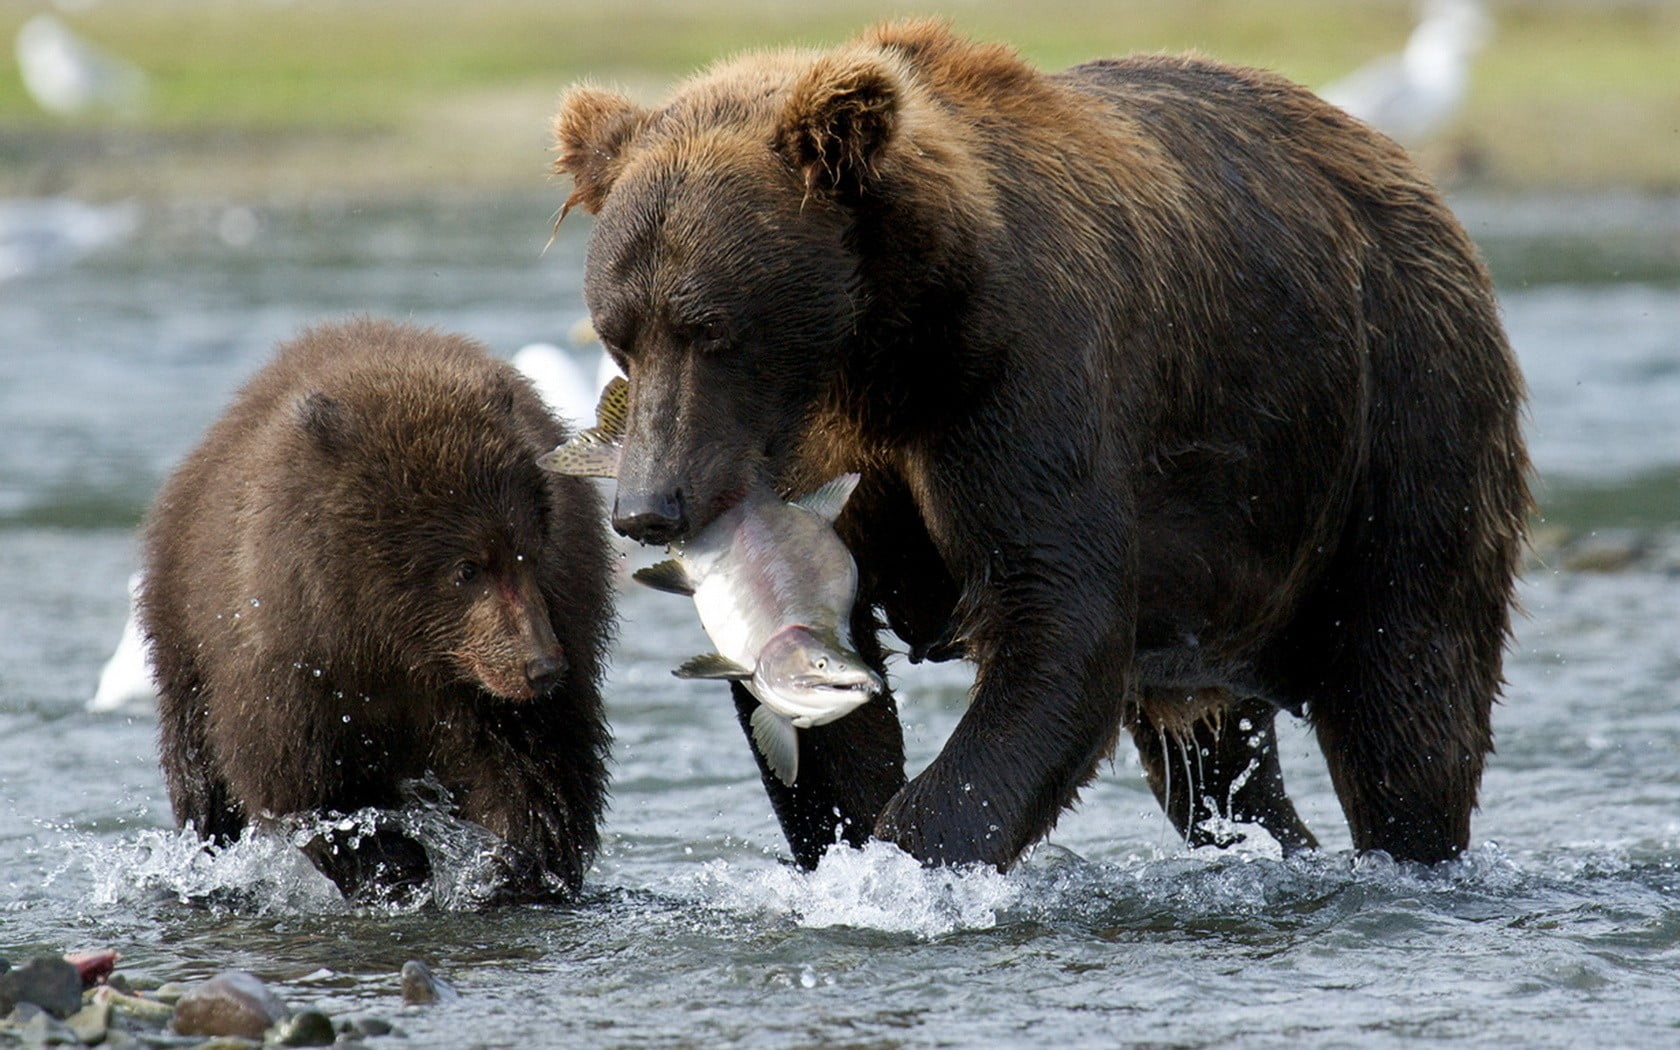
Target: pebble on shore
[231, 1003]
[78, 1000]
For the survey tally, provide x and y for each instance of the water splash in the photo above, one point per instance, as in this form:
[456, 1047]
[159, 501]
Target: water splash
[260, 873]
[878, 887]
[265, 872]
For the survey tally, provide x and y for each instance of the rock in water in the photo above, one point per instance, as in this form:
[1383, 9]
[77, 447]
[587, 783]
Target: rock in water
[52, 984]
[43, 1029]
[231, 1003]
[307, 1028]
[92, 1022]
[420, 986]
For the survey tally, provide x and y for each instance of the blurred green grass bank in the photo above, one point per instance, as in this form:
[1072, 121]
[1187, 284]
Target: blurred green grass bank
[243, 98]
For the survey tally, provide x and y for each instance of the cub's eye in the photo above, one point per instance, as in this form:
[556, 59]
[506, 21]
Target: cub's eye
[466, 572]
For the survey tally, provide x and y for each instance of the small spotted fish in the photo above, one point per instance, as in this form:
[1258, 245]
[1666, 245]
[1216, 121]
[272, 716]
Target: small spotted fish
[593, 453]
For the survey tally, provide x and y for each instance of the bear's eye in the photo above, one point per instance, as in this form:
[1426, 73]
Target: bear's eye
[466, 572]
[710, 334]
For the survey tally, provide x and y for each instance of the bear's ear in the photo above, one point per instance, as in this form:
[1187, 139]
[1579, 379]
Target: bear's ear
[326, 422]
[591, 130]
[838, 121]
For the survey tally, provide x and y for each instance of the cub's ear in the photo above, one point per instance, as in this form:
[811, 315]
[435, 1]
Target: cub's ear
[326, 422]
[838, 121]
[591, 131]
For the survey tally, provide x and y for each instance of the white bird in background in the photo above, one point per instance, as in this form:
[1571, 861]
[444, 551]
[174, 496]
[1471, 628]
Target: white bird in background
[45, 233]
[67, 75]
[127, 677]
[1412, 95]
[566, 385]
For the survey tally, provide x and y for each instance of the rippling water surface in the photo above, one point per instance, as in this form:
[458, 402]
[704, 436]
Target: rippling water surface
[1561, 927]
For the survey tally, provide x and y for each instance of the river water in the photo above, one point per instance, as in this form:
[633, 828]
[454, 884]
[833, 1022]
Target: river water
[1560, 927]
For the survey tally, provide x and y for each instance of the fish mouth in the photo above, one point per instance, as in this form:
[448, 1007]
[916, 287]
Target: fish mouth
[857, 682]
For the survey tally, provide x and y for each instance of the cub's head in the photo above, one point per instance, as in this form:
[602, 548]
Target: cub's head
[745, 243]
[445, 555]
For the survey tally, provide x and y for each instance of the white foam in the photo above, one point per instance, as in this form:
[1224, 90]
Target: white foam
[266, 872]
[260, 873]
[878, 887]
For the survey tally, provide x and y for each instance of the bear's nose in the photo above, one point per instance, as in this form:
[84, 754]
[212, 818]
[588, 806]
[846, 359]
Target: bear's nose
[656, 520]
[545, 672]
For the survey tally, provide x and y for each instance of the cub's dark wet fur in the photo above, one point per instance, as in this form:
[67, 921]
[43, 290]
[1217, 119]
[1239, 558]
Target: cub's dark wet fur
[360, 578]
[1178, 395]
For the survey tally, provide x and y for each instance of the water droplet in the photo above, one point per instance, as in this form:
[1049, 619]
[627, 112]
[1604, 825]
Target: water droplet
[256, 603]
[316, 672]
[346, 719]
[807, 978]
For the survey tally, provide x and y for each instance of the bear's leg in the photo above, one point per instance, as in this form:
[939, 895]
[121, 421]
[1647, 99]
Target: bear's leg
[1407, 768]
[848, 769]
[385, 865]
[197, 792]
[1398, 651]
[1400, 683]
[538, 784]
[1218, 770]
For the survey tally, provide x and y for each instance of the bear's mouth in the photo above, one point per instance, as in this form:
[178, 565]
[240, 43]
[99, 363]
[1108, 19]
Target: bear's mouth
[504, 685]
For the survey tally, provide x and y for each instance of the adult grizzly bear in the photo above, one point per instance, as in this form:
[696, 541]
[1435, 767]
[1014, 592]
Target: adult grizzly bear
[361, 578]
[1178, 395]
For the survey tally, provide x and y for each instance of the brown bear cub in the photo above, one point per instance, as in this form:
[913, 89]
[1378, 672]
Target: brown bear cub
[1178, 396]
[360, 579]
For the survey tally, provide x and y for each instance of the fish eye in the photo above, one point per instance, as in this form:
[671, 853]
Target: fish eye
[820, 663]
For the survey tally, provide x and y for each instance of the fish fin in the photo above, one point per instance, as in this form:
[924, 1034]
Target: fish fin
[668, 576]
[612, 412]
[712, 665]
[594, 453]
[587, 455]
[778, 742]
[830, 499]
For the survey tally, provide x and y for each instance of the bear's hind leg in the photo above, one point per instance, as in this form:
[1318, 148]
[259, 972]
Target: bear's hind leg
[1401, 689]
[1216, 769]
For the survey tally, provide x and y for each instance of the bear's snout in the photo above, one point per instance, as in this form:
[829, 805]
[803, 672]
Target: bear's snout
[651, 518]
[546, 672]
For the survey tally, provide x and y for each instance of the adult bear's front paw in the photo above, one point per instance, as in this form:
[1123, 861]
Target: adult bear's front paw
[943, 824]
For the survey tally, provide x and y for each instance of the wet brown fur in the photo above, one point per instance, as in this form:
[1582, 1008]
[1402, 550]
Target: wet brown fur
[317, 640]
[1165, 379]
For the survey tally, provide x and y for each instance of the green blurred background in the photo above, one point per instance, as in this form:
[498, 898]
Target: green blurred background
[270, 99]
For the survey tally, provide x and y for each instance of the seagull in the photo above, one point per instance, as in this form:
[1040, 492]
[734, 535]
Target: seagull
[67, 75]
[565, 381]
[127, 677]
[1412, 95]
[46, 233]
